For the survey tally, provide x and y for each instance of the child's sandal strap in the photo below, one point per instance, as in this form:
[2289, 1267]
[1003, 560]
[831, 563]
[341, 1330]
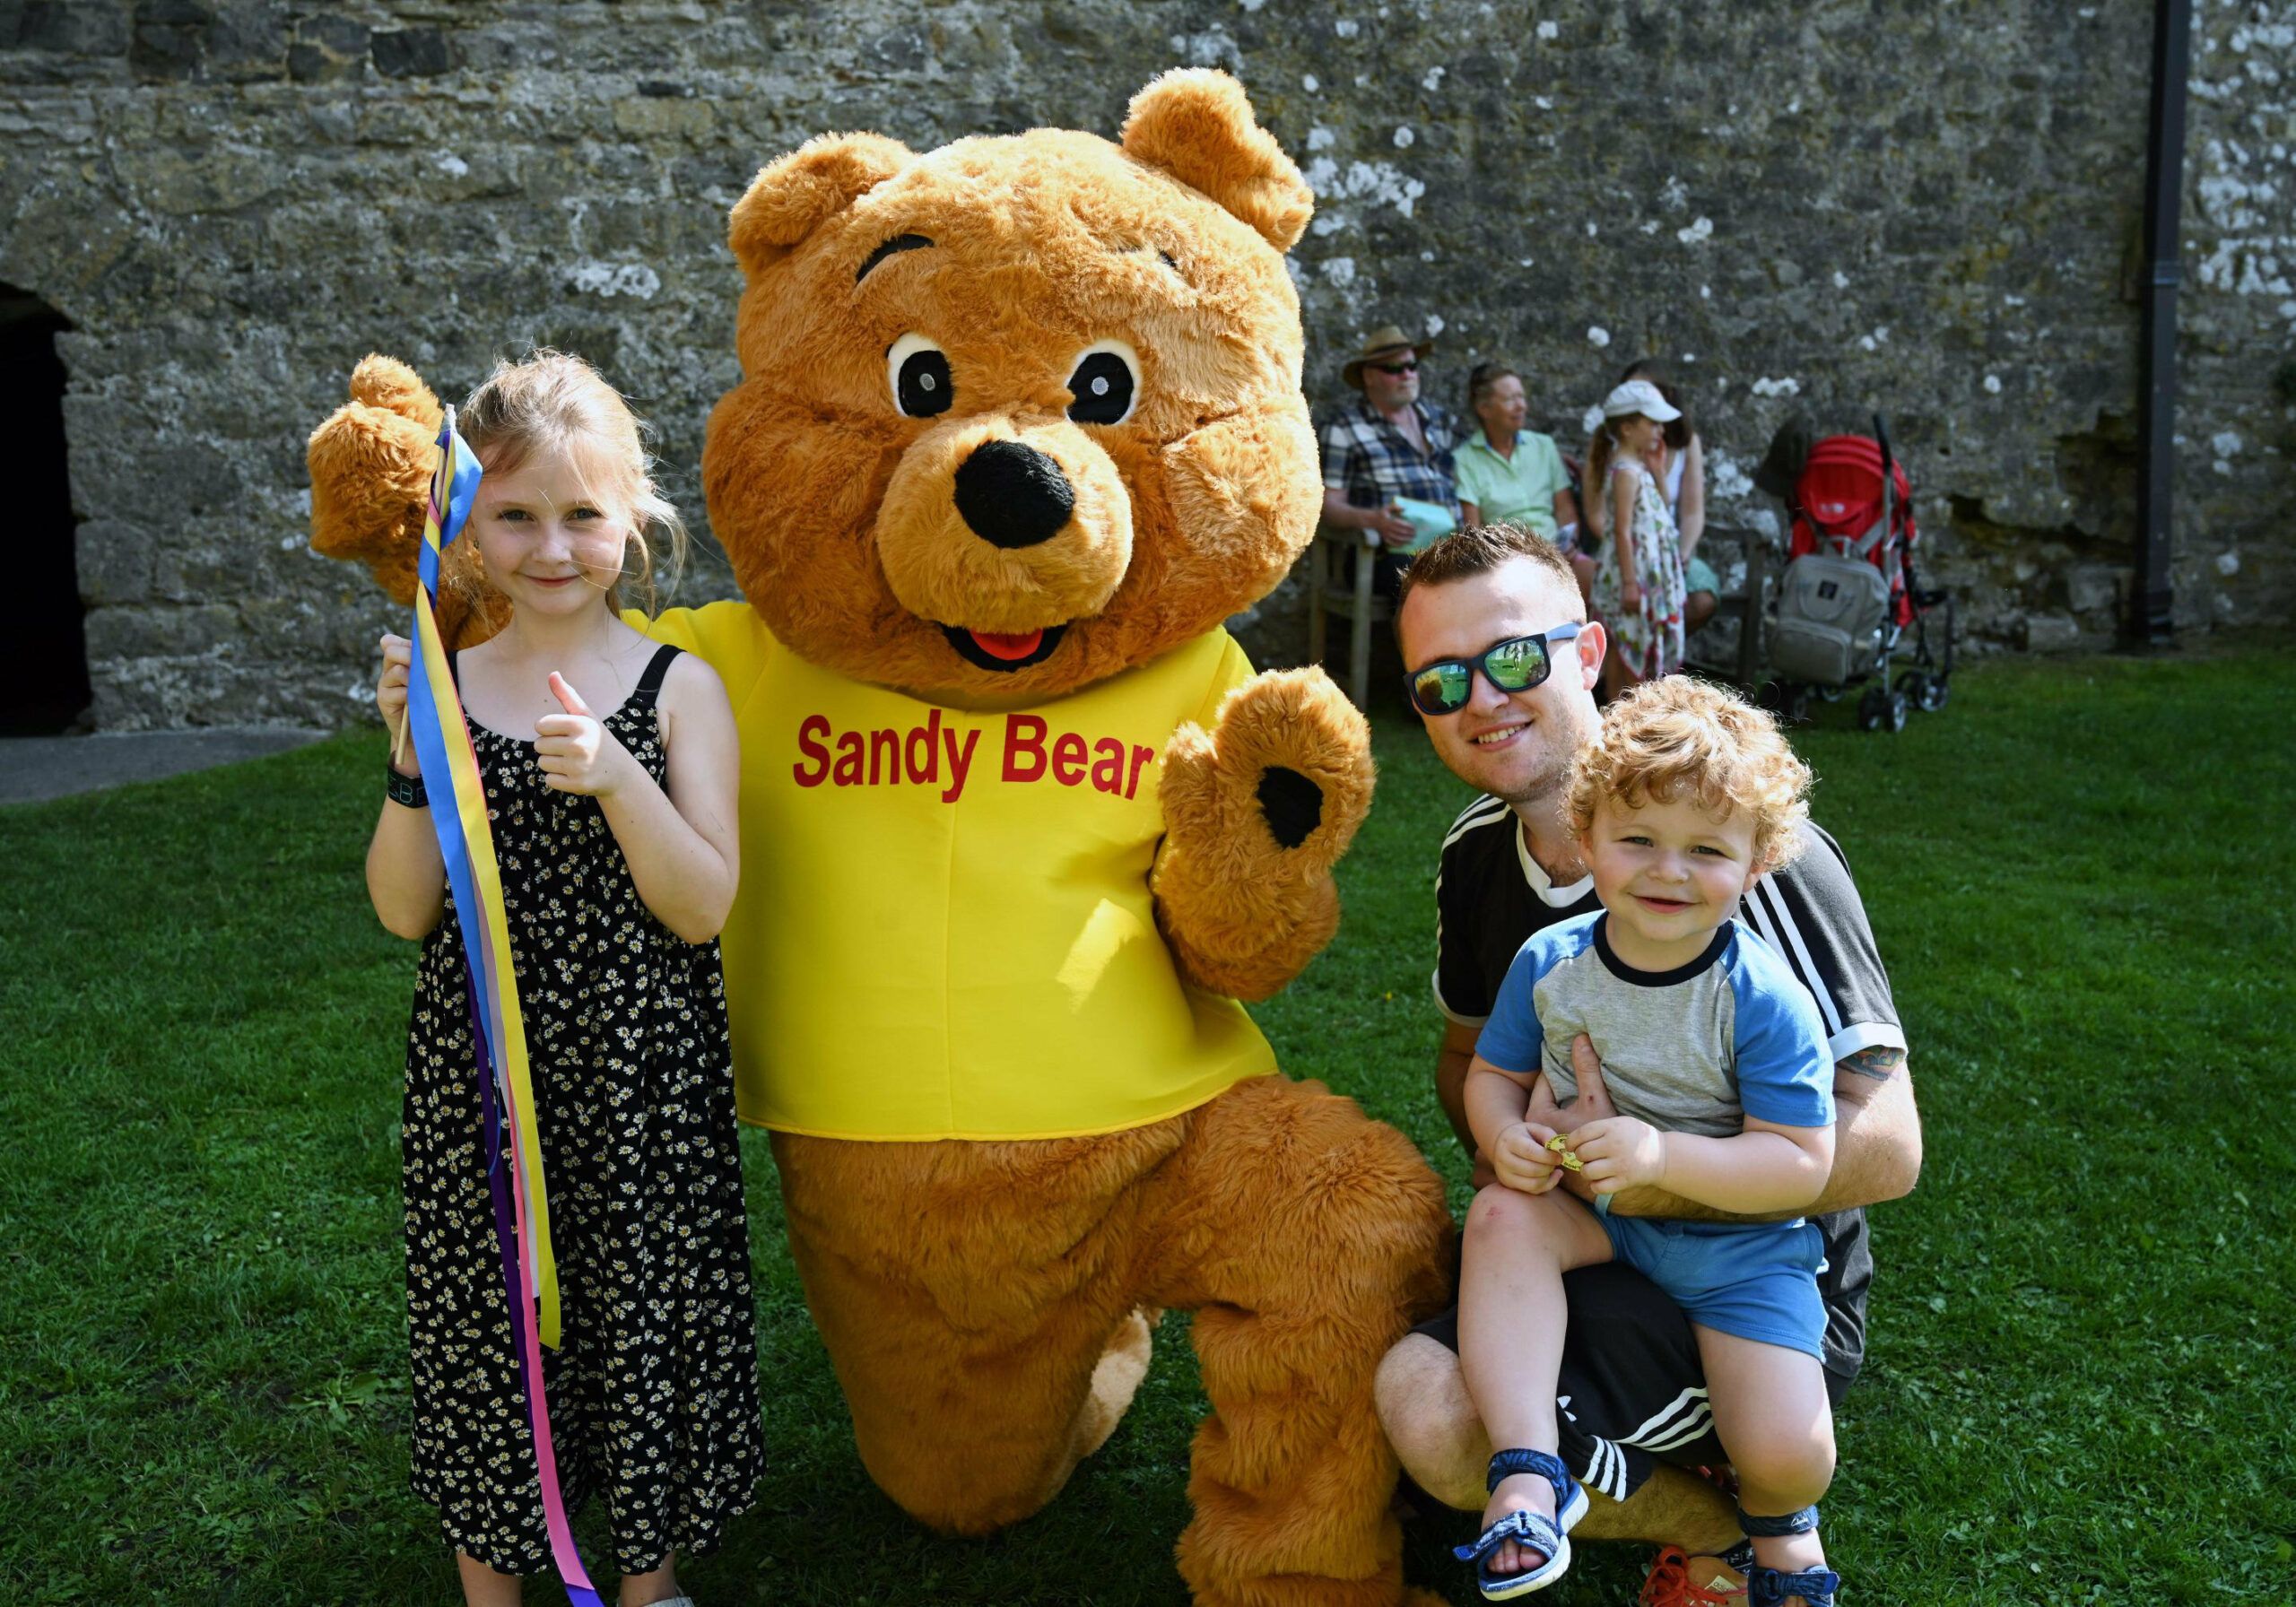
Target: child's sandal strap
[1523, 1527]
[1768, 1587]
[1785, 1523]
[1505, 1464]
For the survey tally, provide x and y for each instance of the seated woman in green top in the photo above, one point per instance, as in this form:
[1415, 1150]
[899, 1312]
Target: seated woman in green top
[1508, 474]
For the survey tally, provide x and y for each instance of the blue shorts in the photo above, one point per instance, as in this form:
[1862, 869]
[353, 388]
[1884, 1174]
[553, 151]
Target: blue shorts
[1759, 1282]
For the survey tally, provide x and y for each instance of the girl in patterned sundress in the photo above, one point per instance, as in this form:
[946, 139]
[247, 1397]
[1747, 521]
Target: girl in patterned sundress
[614, 828]
[1639, 588]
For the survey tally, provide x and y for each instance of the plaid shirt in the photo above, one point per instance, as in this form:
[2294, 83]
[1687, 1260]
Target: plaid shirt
[1368, 457]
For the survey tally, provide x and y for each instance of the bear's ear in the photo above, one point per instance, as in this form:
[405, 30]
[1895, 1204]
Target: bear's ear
[384, 382]
[792, 197]
[1195, 125]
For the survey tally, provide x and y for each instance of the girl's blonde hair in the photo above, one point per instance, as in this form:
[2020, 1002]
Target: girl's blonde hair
[1678, 738]
[554, 402]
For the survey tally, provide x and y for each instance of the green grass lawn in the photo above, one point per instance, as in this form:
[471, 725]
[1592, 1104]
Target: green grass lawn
[2079, 1386]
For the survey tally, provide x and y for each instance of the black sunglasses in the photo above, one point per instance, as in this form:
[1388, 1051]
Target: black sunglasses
[1397, 368]
[1514, 666]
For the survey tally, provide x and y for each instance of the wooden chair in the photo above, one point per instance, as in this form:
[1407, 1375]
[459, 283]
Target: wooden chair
[1748, 607]
[1340, 566]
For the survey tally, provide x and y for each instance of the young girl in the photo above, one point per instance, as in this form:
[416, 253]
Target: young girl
[1638, 584]
[1679, 465]
[610, 771]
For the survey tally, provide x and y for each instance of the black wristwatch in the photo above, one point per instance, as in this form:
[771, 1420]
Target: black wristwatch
[404, 789]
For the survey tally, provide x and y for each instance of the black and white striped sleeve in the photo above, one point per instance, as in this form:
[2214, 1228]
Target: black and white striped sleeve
[1462, 991]
[1810, 912]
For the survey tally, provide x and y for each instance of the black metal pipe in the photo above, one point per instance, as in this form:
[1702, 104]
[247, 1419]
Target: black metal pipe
[2153, 620]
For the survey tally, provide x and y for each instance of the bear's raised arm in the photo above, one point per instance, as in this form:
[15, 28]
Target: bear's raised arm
[1256, 811]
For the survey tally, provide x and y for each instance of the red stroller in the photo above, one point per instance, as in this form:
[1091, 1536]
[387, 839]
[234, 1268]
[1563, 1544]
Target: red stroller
[1849, 597]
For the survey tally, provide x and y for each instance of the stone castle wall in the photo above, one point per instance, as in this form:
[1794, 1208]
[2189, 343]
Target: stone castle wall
[1931, 207]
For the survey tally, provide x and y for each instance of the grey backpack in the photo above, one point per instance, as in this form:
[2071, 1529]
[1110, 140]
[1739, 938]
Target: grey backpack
[1831, 616]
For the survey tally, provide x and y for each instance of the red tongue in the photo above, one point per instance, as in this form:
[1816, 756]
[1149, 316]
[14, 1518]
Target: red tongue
[1007, 647]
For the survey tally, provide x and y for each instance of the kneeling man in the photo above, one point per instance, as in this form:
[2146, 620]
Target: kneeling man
[1506, 691]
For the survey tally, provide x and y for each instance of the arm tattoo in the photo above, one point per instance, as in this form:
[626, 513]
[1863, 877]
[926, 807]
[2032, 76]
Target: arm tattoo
[1880, 1063]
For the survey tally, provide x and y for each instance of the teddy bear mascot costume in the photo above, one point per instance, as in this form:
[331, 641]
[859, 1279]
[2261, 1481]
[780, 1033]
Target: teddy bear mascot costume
[1020, 424]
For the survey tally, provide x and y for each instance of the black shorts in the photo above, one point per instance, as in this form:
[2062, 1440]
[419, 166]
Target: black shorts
[1632, 1391]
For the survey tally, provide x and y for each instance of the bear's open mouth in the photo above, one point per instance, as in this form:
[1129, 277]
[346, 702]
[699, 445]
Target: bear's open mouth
[995, 650]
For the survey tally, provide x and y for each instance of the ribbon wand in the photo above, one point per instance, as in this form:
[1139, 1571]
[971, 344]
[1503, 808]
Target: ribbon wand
[441, 736]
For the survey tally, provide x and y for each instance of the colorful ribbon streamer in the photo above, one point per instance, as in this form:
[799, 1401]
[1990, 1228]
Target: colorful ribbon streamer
[579, 1591]
[450, 768]
[443, 744]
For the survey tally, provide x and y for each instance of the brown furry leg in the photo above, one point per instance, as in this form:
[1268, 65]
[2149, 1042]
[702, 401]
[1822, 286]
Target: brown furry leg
[976, 1301]
[1306, 1238]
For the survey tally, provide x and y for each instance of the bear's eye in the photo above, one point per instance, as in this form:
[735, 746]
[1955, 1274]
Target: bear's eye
[919, 373]
[1105, 382]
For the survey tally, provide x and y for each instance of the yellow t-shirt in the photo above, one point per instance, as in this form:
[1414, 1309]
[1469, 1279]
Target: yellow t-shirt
[943, 928]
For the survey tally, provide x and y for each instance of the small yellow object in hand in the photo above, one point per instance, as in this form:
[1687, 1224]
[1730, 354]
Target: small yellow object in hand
[1561, 1146]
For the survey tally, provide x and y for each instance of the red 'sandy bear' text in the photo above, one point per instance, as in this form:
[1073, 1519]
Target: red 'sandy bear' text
[934, 755]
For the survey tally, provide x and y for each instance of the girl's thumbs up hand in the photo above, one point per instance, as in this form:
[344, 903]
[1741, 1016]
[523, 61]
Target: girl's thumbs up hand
[568, 699]
[577, 753]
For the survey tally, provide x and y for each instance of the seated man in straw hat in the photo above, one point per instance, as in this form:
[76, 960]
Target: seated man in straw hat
[1388, 454]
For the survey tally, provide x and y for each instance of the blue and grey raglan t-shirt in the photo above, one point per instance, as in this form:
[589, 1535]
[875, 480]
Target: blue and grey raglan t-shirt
[1696, 1049]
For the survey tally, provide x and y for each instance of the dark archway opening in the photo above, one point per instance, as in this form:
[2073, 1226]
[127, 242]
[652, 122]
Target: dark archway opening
[43, 654]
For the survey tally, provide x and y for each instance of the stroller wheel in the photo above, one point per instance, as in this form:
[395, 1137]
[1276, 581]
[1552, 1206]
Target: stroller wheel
[1935, 690]
[1914, 685]
[1881, 709]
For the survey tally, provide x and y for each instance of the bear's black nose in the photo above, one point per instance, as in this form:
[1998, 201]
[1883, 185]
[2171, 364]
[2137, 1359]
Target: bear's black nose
[1013, 495]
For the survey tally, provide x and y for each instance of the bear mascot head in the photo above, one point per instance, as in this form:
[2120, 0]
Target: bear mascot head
[1019, 425]
[1018, 414]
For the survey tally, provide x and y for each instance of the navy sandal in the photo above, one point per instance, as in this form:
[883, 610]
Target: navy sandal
[1769, 1586]
[1549, 1536]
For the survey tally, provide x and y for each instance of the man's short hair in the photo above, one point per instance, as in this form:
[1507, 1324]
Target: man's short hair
[1466, 553]
[1676, 739]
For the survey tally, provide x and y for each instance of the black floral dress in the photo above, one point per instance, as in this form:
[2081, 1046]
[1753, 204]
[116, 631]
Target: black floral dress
[653, 1393]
